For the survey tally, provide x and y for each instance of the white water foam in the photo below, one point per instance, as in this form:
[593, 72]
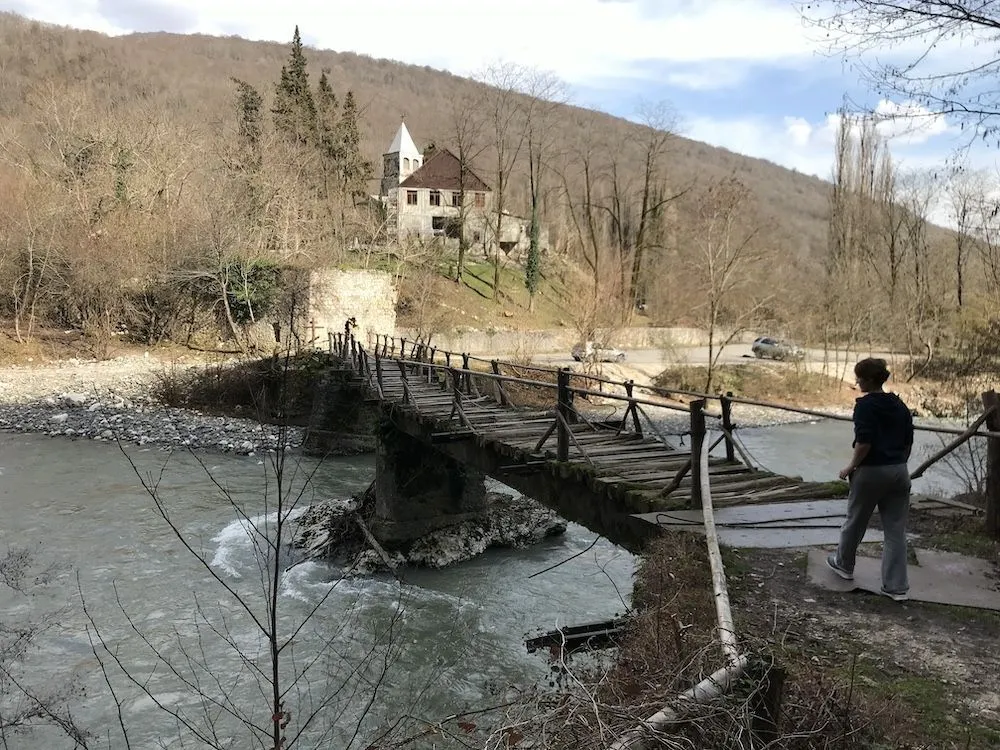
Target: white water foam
[236, 540]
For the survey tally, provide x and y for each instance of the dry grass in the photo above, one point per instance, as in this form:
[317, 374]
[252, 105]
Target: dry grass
[268, 389]
[782, 383]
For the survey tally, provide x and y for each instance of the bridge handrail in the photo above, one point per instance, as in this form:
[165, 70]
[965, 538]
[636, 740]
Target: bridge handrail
[667, 392]
[551, 386]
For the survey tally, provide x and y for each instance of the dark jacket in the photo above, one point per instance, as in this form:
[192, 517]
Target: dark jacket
[883, 421]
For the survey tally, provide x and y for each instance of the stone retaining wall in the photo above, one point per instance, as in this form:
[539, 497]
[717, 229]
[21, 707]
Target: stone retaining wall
[560, 339]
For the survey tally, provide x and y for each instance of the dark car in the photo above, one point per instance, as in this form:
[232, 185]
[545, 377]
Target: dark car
[773, 348]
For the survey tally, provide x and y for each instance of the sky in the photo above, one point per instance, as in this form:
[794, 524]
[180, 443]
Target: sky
[747, 75]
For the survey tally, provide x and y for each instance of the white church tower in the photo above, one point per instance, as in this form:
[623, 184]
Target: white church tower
[400, 161]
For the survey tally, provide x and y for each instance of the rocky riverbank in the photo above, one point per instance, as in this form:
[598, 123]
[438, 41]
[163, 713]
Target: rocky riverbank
[114, 400]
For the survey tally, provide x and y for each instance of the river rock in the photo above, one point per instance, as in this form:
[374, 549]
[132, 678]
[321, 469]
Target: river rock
[74, 400]
[328, 531]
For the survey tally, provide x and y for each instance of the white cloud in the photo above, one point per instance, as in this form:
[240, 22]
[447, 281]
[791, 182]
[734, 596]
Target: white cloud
[909, 122]
[926, 142]
[583, 41]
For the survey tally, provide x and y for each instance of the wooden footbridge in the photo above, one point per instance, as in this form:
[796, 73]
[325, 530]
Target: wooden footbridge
[546, 433]
[539, 430]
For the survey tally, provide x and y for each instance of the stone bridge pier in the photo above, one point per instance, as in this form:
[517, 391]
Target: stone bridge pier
[419, 489]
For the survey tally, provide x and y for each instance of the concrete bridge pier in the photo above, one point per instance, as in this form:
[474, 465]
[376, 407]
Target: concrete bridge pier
[419, 490]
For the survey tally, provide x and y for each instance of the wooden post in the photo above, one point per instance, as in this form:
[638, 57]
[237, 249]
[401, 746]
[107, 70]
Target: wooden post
[501, 395]
[563, 409]
[466, 374]
[727, 425]
[447, 359]
[378, 371]
[402, 348]
[697, 440]
[991, 401]
[629, 385]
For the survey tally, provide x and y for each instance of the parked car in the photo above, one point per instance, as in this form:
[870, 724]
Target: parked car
[591, 352]
[774, 348]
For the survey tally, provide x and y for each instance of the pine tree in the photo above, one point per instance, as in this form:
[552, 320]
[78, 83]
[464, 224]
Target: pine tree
[294, 109]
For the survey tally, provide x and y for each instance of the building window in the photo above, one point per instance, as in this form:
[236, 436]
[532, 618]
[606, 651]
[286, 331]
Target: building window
[480, 200]
[411, 197]
[454, 198]
[406, 165]
[437, 224]
[435, 197]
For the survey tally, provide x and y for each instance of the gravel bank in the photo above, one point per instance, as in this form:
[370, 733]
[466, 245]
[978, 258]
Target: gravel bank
[111, 400]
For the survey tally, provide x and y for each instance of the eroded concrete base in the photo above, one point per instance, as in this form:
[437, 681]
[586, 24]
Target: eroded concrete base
[419, 490]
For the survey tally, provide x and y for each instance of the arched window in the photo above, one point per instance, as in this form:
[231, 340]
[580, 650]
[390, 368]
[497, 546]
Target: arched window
[416, 164]
[406, 165]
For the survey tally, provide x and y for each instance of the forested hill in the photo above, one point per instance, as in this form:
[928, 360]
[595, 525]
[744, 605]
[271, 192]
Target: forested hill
[187, 81]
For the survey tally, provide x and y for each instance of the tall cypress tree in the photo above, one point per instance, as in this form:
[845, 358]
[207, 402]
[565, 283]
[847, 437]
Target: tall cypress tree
[294, 109]
[327, 133]
[355, 170]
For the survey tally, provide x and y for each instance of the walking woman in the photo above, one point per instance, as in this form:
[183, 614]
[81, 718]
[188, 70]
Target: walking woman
[883, 438]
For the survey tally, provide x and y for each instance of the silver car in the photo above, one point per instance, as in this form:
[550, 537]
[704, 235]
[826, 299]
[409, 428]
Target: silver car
[590, 352]
[773, 348]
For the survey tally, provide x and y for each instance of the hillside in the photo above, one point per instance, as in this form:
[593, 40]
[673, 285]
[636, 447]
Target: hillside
[190, 77]
[117, 157]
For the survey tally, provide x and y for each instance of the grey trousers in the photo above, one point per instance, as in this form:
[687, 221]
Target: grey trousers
[888, 489]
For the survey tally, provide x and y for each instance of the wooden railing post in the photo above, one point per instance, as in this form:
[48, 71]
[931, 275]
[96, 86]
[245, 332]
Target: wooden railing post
[402, 348]
[378, 371]
[632, 407]
[991, 402]
[563, 410]
[466, 374]
[697, 440]
[501, 394]
[727, 425]
[447, 359]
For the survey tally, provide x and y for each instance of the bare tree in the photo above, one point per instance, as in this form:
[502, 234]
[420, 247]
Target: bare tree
[726, 245]
[909, 50]
[965, 191]
[544, 92]
[28, 704]
[582, 177]
[505, 121]
[280, 696]
[467, 134]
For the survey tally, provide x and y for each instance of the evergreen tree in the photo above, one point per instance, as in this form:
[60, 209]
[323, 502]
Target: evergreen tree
[249, 125]
[533, 265]
[249, 153]
[327, 132]
[355, 170]
[294, 109]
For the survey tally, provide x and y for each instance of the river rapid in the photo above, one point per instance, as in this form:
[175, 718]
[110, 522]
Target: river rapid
[438, 643]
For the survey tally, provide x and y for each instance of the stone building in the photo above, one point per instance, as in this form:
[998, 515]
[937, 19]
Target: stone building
[423, 193]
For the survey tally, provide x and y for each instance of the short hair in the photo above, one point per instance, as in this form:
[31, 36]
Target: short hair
[872, 370]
